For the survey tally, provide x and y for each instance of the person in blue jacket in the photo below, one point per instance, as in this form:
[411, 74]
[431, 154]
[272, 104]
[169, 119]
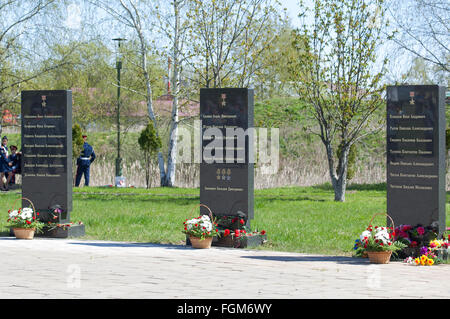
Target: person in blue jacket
[5, 163]
[84, 162]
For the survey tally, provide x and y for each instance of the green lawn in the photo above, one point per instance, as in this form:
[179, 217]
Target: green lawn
[300, 219]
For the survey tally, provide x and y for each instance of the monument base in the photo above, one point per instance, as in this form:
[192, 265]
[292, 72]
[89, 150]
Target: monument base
[75, 230]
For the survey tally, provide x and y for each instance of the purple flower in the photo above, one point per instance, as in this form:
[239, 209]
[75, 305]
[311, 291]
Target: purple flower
[423, 250]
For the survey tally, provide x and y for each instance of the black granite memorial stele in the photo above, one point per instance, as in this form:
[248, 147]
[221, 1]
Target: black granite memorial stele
[416, 155]
[226, 170]
[47, 156]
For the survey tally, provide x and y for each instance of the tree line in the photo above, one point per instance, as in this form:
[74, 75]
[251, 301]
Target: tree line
[336, 60]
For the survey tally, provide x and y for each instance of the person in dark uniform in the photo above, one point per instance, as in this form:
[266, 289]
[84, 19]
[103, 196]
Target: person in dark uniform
[84, 162]
[15, 161]
[5, 163]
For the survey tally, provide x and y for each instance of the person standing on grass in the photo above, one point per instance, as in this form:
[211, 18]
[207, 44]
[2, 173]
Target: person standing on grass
[84, 162]
[5, 163]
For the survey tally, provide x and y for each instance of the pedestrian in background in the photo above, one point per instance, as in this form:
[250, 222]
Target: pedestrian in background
[5, 166]
[84, 162]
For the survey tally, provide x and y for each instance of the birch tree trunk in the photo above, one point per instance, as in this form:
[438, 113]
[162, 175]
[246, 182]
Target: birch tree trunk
[172, 150]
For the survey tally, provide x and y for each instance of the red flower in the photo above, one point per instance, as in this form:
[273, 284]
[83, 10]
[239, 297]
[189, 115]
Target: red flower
[263, 232]
[28, 222]
[226, 232]
[242, 222]
[237, 232]
[234, 220]
[413, 244]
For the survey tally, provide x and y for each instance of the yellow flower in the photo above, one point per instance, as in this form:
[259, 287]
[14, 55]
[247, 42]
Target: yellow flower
[417, 261]
[430, 262]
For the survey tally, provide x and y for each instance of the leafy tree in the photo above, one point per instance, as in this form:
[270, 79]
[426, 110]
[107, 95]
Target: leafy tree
[77, 141]
[149, 143]
[336, 76]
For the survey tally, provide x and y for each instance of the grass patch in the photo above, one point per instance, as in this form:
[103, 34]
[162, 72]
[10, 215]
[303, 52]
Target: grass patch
[297, 219]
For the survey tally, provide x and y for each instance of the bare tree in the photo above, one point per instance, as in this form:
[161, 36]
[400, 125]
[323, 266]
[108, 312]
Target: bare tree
[227, 40]
[16, 18]
[423, 29]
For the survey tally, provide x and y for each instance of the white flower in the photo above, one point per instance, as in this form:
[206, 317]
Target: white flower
[207, 225]
[13, 214]
[364, 234]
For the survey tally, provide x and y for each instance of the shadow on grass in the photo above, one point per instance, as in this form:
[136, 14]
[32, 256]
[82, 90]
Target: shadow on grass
[148, 198]
[131, 245]
[354, 187]
[334, 259]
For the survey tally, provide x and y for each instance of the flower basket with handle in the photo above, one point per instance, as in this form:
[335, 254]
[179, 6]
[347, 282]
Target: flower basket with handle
[24, 222]
[378, 242]
[201, 230]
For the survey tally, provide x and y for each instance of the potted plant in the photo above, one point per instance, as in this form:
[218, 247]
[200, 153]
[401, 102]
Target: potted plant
[201, 231]
[24, 223]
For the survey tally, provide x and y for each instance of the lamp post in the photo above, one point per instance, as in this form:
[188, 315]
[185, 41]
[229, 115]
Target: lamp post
[118, 67]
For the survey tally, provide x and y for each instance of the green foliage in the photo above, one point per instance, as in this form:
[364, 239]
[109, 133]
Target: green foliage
[77, 141]
[150, 143]
[334, 72]
[279, 112]
[351, 160]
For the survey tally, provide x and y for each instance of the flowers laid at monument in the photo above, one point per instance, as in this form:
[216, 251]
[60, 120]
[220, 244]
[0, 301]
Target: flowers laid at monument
[414, 237]
[201, 230]
[24, 222]
[234, 231]
[432, 254]
[377, 241]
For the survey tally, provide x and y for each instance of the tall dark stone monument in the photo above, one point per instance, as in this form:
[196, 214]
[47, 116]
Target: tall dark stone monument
[226, 170]
[47, 152]
[416, 155]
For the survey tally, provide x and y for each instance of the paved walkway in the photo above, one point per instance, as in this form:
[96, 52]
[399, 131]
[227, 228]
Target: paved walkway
[55, 268]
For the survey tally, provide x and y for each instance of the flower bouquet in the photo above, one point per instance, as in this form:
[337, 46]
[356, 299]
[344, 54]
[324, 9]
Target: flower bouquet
[24, 223]
[378, 243]
[235, 233]
[433, 254]
[414, 237]
[201, 230]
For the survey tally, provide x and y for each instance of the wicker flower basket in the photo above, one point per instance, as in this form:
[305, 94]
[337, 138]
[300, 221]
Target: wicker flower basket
[379, 257]
[197, 242]
[24, 233]
[200, 243]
